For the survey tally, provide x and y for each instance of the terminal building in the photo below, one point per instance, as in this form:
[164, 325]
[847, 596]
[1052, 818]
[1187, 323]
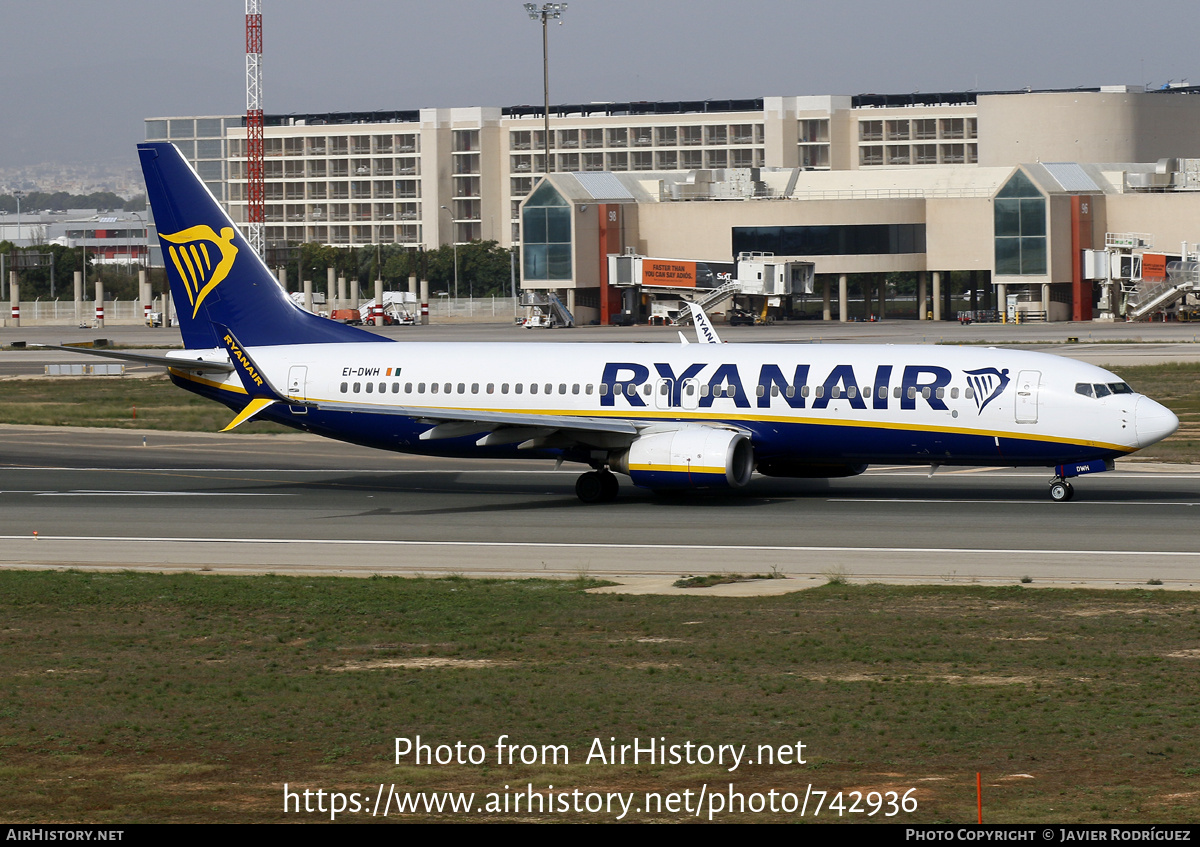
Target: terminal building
[1001, 194]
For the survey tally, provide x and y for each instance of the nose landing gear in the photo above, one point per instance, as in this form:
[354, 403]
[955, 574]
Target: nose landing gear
[1061, 490]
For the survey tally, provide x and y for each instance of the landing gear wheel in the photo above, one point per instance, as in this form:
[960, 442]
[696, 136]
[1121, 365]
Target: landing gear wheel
[608, 481]
[597, 487]
[1061, 491]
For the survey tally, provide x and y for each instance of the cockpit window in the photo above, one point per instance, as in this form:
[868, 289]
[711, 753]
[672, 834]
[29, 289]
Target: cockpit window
[1120, 388]
[1084, 388]
[1102, 390]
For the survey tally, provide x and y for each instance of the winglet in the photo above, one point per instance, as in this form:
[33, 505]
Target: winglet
[705, 334]
[262, 393]
[253, 379]
[252, 408]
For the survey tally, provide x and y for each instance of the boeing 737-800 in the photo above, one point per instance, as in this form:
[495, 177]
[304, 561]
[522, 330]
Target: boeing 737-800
[668, 416]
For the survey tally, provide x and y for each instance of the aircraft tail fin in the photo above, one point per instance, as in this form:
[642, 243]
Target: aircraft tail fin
[705, 333]
[216, 280]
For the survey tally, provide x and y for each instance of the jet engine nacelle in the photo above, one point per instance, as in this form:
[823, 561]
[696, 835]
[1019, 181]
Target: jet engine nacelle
[687, 456]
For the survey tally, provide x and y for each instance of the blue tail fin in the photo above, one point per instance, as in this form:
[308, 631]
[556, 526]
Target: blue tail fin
[216, 279]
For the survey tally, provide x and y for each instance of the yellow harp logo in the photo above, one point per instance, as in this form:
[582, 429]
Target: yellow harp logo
[193, 253]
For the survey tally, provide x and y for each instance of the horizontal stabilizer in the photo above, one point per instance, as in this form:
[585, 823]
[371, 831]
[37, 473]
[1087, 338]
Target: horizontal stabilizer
[197, 364]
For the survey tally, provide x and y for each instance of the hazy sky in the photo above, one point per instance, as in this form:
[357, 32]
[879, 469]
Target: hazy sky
[80, 75]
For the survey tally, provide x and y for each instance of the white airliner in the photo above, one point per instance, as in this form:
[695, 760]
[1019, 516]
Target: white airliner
[669, 416]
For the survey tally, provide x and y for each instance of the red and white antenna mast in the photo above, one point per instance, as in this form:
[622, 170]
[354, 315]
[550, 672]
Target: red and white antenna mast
[254, 126]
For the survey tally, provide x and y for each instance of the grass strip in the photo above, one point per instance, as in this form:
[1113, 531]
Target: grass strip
[147, 697]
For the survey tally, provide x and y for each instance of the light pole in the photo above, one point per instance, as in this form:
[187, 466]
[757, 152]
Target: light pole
[548, 11]
[18, 194]
[454, 244]
[138, 245]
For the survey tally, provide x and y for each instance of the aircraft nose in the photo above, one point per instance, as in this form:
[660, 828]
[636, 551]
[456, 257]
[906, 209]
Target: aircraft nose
[1152, 422]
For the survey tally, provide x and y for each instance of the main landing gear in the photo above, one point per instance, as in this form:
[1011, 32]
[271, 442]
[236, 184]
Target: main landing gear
[597, 487]
[1061, 490]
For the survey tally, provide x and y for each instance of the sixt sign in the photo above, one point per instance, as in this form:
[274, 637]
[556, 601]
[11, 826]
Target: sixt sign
[841, 384]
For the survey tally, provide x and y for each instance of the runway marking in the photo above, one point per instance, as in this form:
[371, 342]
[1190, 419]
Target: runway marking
[154, 494]
[586, 545]
[999, 502]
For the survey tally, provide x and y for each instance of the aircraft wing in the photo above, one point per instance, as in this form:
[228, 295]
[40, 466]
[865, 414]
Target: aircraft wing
[499, 427]
[197, 364]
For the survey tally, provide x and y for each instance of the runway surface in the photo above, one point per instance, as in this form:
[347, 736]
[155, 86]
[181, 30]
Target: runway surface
[298, 504]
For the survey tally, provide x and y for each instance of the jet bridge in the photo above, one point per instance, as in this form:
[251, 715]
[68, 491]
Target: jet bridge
[761, 281]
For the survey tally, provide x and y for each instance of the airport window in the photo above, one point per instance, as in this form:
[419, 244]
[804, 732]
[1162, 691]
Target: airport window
[870, 130]
[1019, 223]
[952, 127]
[344, 387]
[870, 155]
[835, 240]
[546, 224]
[924, 128]
[156, 130]
[812, 131]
